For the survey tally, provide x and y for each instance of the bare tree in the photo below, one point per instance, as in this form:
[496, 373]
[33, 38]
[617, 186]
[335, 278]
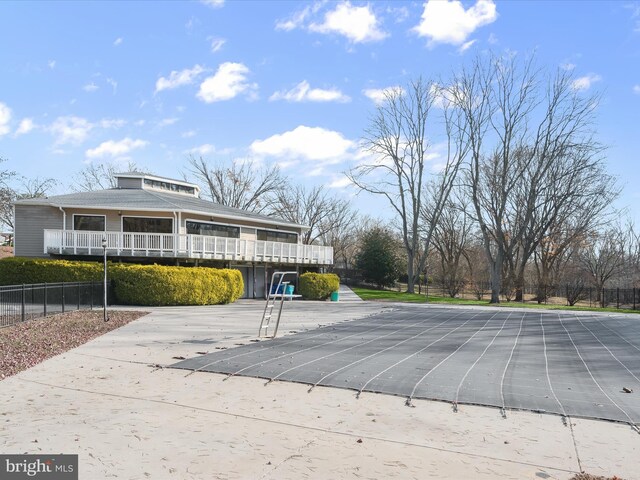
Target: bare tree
[533, 160]
[451, 238]
[6, 193]
[100, 176]
[478, 275]
[551, 257]
[27, 188]
[603, 256]
[340, 231]
[240, 185]
[398, 139]
[312, 207]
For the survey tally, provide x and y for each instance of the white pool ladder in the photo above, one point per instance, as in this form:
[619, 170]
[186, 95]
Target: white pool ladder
[279, 293]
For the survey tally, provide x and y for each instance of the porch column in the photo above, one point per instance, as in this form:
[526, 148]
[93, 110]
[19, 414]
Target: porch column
[253, 290]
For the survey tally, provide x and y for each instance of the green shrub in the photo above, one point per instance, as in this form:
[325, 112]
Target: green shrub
[134, 284]
[160, 285]
[318, 286]
[19, 270]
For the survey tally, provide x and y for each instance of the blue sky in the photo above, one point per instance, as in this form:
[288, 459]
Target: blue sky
[287, 82]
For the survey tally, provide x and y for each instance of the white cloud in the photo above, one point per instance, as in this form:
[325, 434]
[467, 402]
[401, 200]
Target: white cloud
[378, 95]
[217, 43]
[400, 14]
[113, 83]
[90, 87]
[229, 81]
[466, 46]
[5, 118]
[165, 122]
[26, 125]
[188, 134]
[118, 41]
[191, 23]
[340, 182]
[70, 129]
[201, 150]
[568, 66]
[304, 93]
[307, 143]
[213, 3]
[179, 78]
[112, 122]
[449, 22]
[112, 148]
[297, 20]
[636, 89]
[51, 64]
[635, 15]
[358, 24]
[584, 83]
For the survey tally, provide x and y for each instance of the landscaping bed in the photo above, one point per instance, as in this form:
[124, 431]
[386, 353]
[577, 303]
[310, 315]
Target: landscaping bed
[26, 344]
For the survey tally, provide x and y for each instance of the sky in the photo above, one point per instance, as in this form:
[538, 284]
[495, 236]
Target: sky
[290, 83]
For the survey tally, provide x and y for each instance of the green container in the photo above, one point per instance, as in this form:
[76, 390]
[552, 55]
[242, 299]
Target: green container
[335, 296]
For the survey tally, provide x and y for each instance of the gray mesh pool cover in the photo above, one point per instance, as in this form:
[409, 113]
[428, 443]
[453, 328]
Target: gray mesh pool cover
[569, 364]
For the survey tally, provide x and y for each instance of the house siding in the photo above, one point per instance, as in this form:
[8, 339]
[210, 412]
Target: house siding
[30, 223]
[129, 182]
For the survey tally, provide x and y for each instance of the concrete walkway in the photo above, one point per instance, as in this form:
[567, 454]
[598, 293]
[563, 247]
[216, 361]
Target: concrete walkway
[112, 403]
[347, 296]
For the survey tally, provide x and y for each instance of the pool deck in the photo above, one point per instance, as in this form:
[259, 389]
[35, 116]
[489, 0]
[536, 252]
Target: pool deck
[112, 402]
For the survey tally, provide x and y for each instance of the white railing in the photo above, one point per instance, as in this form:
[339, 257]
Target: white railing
[72, 242]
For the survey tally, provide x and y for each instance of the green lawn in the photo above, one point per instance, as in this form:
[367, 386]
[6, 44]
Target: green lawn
[390, 296]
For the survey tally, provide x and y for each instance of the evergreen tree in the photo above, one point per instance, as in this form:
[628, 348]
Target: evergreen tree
[378, 258]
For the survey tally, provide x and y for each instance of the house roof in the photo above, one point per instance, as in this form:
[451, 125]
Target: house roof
[149, 200]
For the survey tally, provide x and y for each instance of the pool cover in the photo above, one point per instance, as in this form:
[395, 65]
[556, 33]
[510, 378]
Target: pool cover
[568, 364]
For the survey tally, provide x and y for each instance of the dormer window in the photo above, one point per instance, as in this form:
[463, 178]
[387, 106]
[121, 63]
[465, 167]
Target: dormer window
[134, 180]
[173, 187]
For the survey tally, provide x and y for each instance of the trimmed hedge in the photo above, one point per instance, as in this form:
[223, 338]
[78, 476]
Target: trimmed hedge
[19, 270]
[160, 285]
[318, 286]
[134, 284]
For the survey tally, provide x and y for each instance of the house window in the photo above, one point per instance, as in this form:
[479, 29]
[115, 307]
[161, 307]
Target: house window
[93, 223]
[212, 229]
[271, 236]
[174, 187]
[147, 225]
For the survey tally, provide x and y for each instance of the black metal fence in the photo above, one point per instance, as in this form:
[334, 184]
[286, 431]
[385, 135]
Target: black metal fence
[580, 295]
[19, 303]
[627, 298]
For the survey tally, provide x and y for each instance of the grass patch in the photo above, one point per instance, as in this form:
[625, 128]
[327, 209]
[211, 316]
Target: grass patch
[391, 296]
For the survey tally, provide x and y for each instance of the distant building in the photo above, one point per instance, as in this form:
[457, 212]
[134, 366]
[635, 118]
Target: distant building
[150, 219]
